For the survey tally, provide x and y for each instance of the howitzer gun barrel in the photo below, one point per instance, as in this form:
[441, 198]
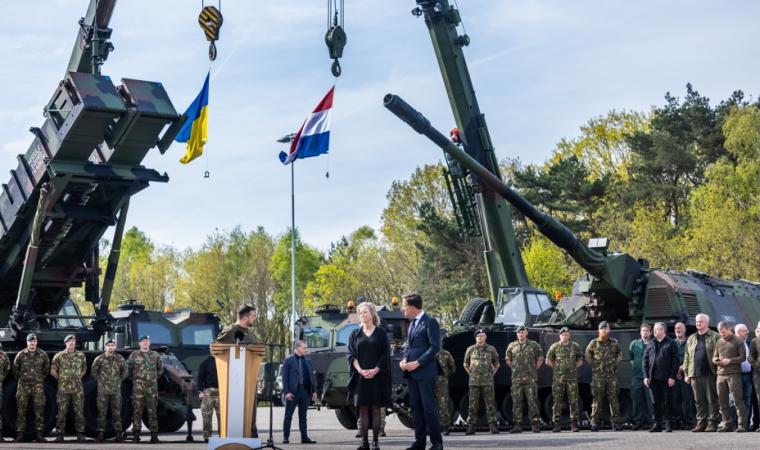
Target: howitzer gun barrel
[554, 230]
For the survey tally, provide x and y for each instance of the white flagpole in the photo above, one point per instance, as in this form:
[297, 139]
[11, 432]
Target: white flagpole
[292, 253]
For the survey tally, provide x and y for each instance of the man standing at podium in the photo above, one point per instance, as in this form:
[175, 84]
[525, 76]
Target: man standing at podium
[299, 389]
[241, 330]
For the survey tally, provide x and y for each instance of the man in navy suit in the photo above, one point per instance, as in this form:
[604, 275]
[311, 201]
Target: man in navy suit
[299, 387]
[420, 370]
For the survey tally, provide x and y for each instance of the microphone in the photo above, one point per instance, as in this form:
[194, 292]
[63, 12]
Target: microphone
[239, 336]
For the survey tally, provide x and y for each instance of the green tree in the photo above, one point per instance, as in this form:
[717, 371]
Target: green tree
[548, 267]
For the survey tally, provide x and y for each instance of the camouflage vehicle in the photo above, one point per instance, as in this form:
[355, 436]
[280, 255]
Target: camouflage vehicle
[75, 181]
[327, 335]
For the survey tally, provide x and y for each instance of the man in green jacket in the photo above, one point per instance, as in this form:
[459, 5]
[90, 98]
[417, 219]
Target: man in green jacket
[640, 398]
[699, 372]
[728, 357]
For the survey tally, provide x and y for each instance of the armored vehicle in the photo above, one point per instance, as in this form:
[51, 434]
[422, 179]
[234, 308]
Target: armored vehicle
[74, 182]
[617, 288]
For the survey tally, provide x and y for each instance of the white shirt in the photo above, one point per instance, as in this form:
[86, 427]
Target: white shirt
[746, 367]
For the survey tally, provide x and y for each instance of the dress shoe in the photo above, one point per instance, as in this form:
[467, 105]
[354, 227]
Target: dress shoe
[517, 428]
[39, 438]
[19, 437]
[445, 431]
[574, 427]
[436, 446]
[655, 428]
[470, 429]
[307, 441]
[494, 428]
[286, 441]
[120, 436]
[363, 446]
[617, 426]
[699, 428]
[668, 428]
[59, 438]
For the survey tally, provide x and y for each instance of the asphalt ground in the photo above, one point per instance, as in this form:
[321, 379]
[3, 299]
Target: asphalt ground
[325, 429]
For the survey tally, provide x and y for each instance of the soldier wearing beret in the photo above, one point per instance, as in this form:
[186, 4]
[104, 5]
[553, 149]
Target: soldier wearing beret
[481, 361]
[109, 370]
[68, 367]
[525, 357]
[565, 357]
[30, 368]
[145, 367]
[603, 353]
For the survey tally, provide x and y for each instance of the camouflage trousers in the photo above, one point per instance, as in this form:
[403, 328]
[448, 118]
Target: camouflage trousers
[144, 398]
[442, 396]
[209, 404]
[486, 390]
[106, 400]
[76, 401]
[601, 387]
[529, 391]
[36, 392]
[560, 387]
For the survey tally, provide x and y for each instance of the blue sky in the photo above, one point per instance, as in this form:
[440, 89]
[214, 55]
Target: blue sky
[540, 69]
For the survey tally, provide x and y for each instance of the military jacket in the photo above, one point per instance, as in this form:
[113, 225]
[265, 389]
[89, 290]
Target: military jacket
[31, 367]
[145, 367]
[227, 336]
[636, 349]
[109, 372]
[479, 362]
[603, 357]
[523, 358]
[5, 366]
[446, 364]
[565, 357]
[70, 367]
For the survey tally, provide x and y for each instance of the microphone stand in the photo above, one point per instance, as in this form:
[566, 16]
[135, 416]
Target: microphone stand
[269, 379]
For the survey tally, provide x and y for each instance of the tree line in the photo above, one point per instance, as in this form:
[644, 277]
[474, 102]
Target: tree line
[678, 185]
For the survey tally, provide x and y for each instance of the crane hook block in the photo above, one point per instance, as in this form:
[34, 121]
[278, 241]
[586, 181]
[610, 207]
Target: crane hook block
[210, 19]
[336, 40]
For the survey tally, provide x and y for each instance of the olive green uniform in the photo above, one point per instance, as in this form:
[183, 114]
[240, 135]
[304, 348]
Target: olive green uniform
[479, 362]
[144, 369]
[447, 368]
[5, 367]
[227, 336]
[729, 378]
[70, 367]
[565, 359]
[523, 358]
[109, 371]
[31, 368]
[604, 355]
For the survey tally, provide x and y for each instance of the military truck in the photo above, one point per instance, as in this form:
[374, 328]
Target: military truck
[617, 287]
[327, 334]
[74, 182]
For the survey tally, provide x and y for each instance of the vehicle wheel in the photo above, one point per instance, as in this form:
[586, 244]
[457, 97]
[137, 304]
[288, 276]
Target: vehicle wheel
[473, 311]
[347, 417]
[406, 420]
[170, 415]
[10, 409]
[506, 408]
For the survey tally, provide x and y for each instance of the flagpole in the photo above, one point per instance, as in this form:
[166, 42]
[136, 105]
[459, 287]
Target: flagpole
[292, 253]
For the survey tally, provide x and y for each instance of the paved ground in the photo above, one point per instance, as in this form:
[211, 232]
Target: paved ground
[324, 428]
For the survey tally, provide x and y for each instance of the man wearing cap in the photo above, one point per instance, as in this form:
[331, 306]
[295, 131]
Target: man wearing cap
[603, 353]
[30, 368]
[145, 367]
[640, 398]
[524, 357]
[481, 361]
[109, 370]
[565, 357]
[446, 369]
[5, 367]
[68, 367]
[241, 330]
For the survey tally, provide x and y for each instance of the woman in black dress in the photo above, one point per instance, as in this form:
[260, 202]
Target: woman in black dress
[369, 384]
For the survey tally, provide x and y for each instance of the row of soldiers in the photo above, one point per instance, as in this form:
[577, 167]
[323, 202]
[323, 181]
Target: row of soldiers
[68, 367]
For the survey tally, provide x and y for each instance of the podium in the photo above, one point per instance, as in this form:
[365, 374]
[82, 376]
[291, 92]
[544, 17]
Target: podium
[237, 367]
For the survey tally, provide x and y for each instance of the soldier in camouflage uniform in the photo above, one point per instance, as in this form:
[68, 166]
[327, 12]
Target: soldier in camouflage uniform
[481, 361]
[446, 370]
[525, 357]
[145, 367]
[109, 370]
[30, 368]
[5, 367]
[603, 353]
[68, 367]
[565, 357]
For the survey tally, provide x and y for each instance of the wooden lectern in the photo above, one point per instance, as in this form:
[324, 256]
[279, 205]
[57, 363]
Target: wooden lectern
[237, 367]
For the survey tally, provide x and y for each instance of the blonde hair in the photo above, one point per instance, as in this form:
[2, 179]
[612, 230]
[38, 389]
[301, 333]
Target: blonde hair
[372, 310]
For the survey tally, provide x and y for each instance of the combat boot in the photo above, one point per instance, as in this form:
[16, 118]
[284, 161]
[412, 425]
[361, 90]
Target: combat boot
[700, 428]
[557, 427]
[574, 427]
[494, 428]
[594, 426]
[154, 438]
[712, 427]
[535, 427]
[100, 437]
[80, 438]
[119, 437]
[135, 436]
[41, 439]
[19, 437]
[516, 428]
[470, 429]
[59, 438]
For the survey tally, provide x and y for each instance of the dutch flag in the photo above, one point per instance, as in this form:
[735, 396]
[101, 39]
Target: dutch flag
[313, 139]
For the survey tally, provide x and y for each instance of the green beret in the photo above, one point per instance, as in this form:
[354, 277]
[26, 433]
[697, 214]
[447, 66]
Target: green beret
[479, 331]
[31, 337]
[521, 328]
[603, 324]
[68, 336]
[144, 337]
[564, 330]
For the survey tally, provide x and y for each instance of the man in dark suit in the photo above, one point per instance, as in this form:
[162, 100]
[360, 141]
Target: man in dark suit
[660, 370]
[420, 370]
[299, 387]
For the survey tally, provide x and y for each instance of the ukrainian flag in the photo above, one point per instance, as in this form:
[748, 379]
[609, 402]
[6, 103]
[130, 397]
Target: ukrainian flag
[195, 130]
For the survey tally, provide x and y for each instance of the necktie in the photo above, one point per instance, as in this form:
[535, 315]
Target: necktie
[411, 329]
[300, 371]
